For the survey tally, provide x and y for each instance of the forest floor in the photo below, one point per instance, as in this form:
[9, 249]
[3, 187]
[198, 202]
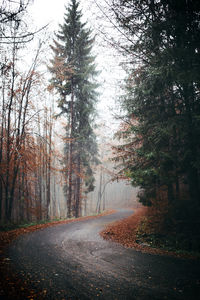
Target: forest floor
[9, 281]
[125, 232]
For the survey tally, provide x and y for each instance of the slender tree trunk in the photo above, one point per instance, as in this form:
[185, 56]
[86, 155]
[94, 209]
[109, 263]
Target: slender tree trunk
[22, 208]
[39, 171]
[48, 165]
[28, 204]
[170, 193]
[104, 193]
[1, 151]
[192, 174]
[8, 140]
[98, 209]
[69, 200]
[2, 142]
[78, 188]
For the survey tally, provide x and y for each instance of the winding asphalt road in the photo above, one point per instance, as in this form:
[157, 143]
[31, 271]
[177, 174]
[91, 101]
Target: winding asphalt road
[72, 261]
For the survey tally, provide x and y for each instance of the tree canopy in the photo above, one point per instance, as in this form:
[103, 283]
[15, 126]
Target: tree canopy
[161, 100]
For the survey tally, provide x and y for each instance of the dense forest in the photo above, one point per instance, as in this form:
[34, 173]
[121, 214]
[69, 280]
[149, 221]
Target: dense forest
[161, 110]
[48, 147]
[48, 143]
[28, 156]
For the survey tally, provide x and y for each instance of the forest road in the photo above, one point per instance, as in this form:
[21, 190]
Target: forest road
[72, 261]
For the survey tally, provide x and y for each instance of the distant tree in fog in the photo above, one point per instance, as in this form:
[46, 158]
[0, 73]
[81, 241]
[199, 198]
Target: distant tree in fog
[73, 76]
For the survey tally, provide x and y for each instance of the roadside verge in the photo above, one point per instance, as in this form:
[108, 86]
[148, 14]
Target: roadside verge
[125, 233]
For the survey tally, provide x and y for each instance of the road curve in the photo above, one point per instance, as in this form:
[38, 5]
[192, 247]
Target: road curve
[72, 261]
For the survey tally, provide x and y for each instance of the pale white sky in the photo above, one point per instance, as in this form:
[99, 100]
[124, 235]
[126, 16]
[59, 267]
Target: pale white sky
[46, 11]
[52, 11]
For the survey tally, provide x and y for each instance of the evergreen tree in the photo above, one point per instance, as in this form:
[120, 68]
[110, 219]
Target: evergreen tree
[163, 96]
[73, 76]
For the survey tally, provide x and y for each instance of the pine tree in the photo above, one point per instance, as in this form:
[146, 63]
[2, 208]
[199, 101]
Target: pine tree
[73, 76]
[163, 95]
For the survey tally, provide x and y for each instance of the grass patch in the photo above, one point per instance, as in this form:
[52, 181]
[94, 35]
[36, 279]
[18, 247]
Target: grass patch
[13, 226]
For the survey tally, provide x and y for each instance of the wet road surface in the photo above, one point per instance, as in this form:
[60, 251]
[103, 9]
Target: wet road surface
[72, 261]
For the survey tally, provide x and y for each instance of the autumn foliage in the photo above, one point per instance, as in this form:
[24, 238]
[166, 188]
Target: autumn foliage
[139, 232]
[27, 149]
[124, 231]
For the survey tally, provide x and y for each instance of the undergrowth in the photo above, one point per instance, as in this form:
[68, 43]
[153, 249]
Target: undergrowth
[173, 230]
[12, 226]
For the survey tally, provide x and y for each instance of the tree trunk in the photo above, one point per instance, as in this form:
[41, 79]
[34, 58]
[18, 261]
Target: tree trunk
[78, 188]
[69, 200]
[192, 172]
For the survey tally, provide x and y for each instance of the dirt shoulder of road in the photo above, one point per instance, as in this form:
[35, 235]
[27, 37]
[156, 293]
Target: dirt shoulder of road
[125, 233]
